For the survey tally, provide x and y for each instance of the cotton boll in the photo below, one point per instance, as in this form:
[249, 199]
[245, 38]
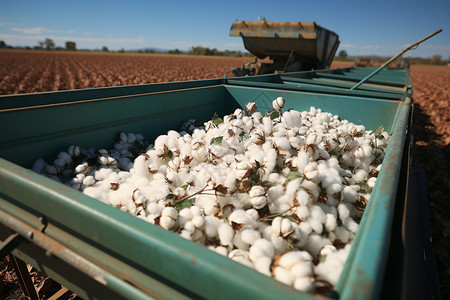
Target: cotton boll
[334, 188]
[303, 284]
[239, 113]
[249, 236]
[283, 276]
[74, 151]
[301, 161]
[314, 138]
[262, 265]
[240, 258]
[268, 125]
[282, 143]
[92, 192]
[186, 234]
[292, 118]
[211, 227]
[349, 194]
[302, 269]
[226, 234]
[59, 163]
[259, 202]
[238, 243]
[302, 212]
[360, 176]
[102, 174]
[371, 182]
[296, 142]
[333, 265]
[88, 181]
[221, 250]
[342, 234]
[303, 197]
[327, 250]
[124, 163]
[276, 226]
[278, 103]
[314, 243]
[196, 211]
[257, 191]
[179, 192]
[169, 212]
[350, 225]
[208, 203]
[261, 248]
[305, 228]
[286, 226]
[66, 157]
[316, 225]
[51, 170]
[280, 205]
[154, 208]
[252, 214]
[273, 177]
[289, 259]
[292, 187]
[161, 141]
[311, 188]
[166, 222]
[198, 221]
[38, 165]
[323, 154]
[274, 192]
[344, 211]
[189, 226]
[239, 216]
[330, 222]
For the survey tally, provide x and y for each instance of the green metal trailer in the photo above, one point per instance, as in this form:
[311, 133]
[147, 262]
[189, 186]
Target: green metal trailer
[100, 252]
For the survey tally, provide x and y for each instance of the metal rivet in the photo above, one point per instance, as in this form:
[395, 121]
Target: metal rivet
[30, 234]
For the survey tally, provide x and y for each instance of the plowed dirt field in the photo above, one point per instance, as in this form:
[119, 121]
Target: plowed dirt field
[37, 71]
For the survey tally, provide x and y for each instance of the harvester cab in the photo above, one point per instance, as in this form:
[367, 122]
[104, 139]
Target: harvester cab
[291, 46]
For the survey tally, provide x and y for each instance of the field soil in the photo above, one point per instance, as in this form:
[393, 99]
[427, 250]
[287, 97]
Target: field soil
[38, 71]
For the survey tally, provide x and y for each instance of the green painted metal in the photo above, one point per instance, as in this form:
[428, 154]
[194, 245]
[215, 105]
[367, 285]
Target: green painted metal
[379, 69]
[369, 251]
[390, 84]
[320, 83]
[320, 89]
[159, 263]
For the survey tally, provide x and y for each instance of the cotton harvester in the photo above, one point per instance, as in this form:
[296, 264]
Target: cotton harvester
[292, 46]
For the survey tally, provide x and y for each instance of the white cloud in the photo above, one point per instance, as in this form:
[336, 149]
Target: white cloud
[34, 30]
[369, 46]
[348, 45]
[234, 44]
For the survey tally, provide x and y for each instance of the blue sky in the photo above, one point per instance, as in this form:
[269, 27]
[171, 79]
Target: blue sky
[364, 27]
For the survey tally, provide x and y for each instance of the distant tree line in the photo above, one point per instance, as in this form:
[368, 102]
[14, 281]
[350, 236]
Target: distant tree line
[434, 60]
[199, 50]
[47, 44]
